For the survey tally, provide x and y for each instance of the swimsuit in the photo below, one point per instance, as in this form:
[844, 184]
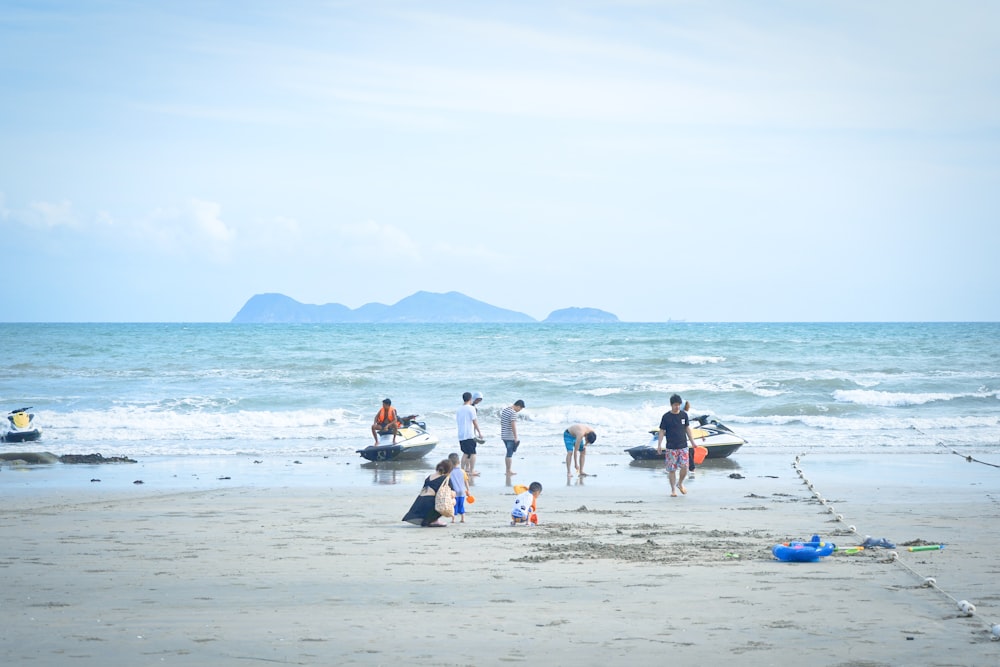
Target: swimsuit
[570, 441]
[676, 458]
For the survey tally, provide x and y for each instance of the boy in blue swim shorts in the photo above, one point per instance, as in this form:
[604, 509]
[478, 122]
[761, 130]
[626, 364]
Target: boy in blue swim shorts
[576, 438]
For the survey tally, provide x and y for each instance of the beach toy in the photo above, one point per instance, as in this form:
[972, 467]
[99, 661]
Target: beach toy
[849, 550]
[880, 542]
[699, 454]
[926, 547]
[803, 552]
[469, 498]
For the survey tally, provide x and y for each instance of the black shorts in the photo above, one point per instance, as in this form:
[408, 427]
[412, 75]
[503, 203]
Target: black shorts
[468, 446]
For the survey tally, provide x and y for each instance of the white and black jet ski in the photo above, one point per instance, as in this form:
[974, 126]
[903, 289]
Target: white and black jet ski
[412, 442]
[709, 432]
[20, 427]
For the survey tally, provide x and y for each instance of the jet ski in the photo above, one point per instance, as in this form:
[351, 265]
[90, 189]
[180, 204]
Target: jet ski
[20, 427]
[412, 442]
[710, 433]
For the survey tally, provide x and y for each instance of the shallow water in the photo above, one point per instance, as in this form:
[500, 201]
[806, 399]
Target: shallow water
[147, 390]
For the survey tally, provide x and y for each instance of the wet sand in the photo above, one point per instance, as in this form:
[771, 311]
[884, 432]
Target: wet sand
[308, 563]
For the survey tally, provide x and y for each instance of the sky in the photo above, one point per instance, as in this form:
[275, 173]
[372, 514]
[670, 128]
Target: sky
[165, 160]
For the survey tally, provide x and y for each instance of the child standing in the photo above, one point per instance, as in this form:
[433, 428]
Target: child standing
[525, 510]
[460, 483]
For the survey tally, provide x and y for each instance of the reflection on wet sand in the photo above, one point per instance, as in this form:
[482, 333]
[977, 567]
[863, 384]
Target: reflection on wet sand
[398, 472]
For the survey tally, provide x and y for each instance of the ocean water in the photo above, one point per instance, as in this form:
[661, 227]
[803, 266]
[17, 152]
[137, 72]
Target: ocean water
[180, 390]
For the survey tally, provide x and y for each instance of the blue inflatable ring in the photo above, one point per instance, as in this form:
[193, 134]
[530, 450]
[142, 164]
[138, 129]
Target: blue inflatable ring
[803, 552]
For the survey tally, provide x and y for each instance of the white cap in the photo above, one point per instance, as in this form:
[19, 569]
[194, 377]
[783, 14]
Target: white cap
[477, 394]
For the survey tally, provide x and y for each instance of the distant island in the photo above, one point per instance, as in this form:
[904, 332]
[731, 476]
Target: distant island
[580, 316]
[419, 308]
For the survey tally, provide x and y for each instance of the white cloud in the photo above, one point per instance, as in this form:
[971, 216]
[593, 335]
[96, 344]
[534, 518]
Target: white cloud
[51, 215]
[207, 218]
[372, 239]
[195, 229]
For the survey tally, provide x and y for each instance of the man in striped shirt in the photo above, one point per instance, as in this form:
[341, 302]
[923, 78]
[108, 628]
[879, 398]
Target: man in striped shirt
[508, 431]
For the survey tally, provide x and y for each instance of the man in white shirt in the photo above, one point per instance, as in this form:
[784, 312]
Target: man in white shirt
[468, 431]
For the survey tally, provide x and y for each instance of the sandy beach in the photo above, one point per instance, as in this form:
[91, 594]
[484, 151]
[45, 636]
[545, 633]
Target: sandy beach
[308, 563]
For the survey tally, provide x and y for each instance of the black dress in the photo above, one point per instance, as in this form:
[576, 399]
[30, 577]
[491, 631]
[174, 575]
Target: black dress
[422, 512]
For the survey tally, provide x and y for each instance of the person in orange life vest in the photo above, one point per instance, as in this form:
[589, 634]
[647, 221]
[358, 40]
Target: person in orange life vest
[386, 422]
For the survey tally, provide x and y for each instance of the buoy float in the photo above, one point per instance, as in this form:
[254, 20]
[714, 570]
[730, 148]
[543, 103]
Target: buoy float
[803, 552]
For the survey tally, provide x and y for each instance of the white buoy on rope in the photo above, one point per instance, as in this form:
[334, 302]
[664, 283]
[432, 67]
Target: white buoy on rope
[840, 517]
[893, 555]
[930, 581]
[995, 631]
[852, 528]
[967, 607]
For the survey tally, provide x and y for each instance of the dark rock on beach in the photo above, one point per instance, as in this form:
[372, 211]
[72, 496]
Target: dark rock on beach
[22, 458]
[94, 458]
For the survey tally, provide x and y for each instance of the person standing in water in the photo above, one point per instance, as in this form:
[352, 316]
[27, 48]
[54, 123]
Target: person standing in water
[468, 431]
[508, 431]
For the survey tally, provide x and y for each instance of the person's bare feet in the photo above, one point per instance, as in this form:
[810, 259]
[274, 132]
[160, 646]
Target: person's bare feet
[680, 487]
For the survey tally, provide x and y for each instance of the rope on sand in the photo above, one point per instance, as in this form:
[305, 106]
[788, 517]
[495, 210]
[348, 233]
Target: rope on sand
[969, 458]
[940, 443]
[964, 606]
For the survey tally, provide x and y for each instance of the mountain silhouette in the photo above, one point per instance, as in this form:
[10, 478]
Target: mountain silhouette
[421, 307]
[418, 308]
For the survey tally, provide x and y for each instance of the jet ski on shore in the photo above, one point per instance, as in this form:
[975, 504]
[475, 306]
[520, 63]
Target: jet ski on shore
[20, 427]
[710, 433]
[412, 442]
